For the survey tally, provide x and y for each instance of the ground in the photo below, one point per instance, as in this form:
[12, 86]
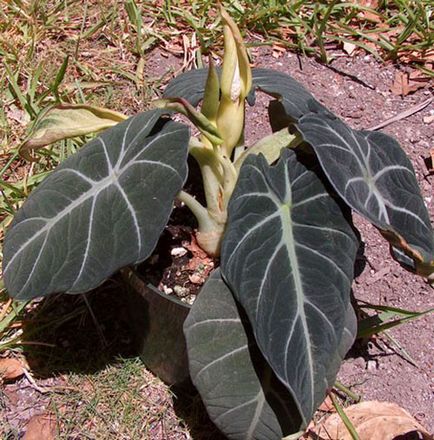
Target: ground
[358, 90]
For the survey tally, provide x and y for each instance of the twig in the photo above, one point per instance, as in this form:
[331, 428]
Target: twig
[33, 382]
[54, 389]
[403, 115]
[95, 321]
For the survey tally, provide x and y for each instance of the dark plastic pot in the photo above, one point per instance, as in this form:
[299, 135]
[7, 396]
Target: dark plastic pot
[157, 321]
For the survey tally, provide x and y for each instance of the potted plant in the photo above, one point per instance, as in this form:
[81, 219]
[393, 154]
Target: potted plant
[266, 335]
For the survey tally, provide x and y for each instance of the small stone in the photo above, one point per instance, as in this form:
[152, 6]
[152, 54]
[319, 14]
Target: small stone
[196, 279]
[178, 252]
[181, 291]
[371, 365]
[167, 290]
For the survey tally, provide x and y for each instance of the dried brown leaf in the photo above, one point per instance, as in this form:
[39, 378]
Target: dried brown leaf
[41, 427]
[327, 405]
[369, 15]
[405, 83]
[10, 369]
[373, 421]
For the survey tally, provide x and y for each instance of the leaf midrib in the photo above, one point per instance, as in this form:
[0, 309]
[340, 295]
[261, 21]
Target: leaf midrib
[288, 238]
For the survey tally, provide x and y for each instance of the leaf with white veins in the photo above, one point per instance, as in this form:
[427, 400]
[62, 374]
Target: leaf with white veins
[102, 209]
[373, 175]
[288, 256]
[242, 395]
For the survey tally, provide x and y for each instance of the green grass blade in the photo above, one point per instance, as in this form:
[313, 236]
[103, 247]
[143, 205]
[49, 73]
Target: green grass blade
[346, 421]
[59, 77]
[381, 322]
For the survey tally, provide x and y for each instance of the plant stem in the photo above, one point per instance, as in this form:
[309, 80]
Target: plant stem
[347, 391]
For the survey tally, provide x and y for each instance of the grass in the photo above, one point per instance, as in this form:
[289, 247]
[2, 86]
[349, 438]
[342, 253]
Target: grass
[95, 52]
[117, 402]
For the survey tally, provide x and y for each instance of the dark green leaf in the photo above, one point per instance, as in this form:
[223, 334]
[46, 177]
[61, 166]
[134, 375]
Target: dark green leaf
[102, 209]
[189, 85]
[288, 256]
[295, 100]
[241, 394]
[373, 175]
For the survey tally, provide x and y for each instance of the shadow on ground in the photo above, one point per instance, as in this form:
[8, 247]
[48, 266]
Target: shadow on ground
[78, 333]
[83, 334]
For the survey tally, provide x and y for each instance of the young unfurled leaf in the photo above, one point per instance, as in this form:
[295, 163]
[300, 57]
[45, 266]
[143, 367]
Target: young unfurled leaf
[202, 123]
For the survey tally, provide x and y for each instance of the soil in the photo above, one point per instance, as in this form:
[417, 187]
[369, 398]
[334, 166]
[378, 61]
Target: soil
[358, 90]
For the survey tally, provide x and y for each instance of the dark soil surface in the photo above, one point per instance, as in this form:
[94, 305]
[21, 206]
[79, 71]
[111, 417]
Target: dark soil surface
[358, 90]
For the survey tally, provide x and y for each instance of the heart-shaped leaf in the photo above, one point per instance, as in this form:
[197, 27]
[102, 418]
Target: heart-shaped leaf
[242, 395]
[373, 175]
[102, 209]
[288, 256]
[296, 100]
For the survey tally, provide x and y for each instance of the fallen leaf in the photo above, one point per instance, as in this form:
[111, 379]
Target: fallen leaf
[41, 427]
[349, 48]
[418, 56]
[405, 83]
[369, 15]
[327, 405]
[373, 421]
[10, 369]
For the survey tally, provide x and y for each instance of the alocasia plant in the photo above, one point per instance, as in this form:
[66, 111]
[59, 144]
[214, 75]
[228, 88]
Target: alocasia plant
[270, 327]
